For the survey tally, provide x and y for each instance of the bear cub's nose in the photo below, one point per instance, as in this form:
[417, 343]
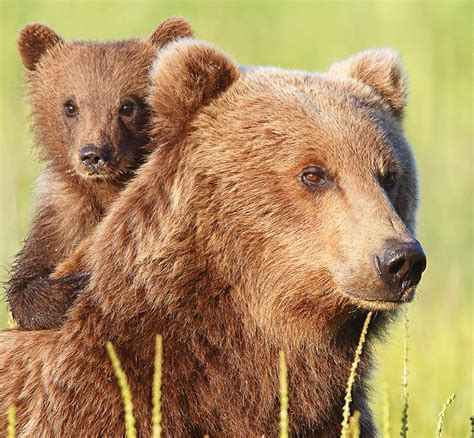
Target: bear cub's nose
[401, 264]
[93, 157]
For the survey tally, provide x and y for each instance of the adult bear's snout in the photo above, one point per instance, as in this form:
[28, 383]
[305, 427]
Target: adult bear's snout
[401, 265]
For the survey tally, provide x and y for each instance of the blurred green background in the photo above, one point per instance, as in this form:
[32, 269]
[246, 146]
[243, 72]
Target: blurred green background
[435, 41]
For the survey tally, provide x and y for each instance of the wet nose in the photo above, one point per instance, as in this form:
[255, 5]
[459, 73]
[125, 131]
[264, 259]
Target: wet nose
[93, 157]
[401, 264]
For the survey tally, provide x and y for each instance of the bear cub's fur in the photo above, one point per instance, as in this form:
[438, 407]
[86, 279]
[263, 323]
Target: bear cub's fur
[90, 116]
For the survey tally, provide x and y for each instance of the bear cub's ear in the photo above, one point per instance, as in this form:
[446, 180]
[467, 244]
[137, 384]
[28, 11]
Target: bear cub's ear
[186, 76]
[380, 69]
[33, 42]
[170, 29]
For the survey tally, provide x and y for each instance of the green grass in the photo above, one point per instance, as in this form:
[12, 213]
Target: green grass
[439, 426]
[435, 41]
[406, 336]
[130, 430]
[156, 428]
[11, 426]
[284, 425]
[346, 430]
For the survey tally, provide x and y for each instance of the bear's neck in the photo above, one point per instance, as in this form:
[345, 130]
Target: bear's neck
[229, 366]
[221, 357]
[98, 193]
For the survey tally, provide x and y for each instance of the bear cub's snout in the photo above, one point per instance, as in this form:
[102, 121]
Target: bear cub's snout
[94, 158]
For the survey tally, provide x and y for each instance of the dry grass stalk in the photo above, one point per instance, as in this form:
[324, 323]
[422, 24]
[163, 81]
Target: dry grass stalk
[350, 381]
[157, 378]
[11, 432]
[439, 427]
[130, 430]
[404, 429]
[283, 397]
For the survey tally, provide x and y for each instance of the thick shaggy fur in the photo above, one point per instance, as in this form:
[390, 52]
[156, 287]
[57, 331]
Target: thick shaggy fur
[98, 78]
[219, 246]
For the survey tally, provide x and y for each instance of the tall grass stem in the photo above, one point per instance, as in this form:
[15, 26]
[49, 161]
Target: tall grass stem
[283, 397]
[130, 429]
[439, 427]
[157, 381]
[350, 382]
[406, 322]
[11, 428]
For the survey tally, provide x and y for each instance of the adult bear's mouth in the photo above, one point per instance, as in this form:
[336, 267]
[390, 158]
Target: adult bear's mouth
[359, 299]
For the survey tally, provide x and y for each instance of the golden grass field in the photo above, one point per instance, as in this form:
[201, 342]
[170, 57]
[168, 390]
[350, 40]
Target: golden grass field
[435, 41]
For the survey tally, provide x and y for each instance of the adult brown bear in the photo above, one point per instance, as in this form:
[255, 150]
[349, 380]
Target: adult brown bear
[278, 210]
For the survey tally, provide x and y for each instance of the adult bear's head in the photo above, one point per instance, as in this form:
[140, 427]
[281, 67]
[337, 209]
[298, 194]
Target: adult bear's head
[301, 186]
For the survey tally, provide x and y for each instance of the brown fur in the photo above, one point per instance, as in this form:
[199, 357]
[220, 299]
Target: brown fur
[98, 78]
[218, 246]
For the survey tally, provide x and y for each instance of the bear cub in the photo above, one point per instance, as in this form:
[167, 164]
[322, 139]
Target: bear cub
[90, 118]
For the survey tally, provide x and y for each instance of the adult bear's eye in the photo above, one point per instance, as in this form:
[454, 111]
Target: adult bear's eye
[314, 177]
[70, 108]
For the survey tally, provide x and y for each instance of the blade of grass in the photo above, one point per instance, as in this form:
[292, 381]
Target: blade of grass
[11, 432]
[157, 377]
[130, 430]
[352, 374]
[404, 429]
[283, 397]
[446, 404]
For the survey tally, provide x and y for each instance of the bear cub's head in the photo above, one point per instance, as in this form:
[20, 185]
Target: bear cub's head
[89, 99]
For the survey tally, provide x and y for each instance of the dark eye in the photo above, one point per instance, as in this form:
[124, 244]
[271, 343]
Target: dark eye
[70, 108]
[388, 181]
[314, 177]
[127, 108]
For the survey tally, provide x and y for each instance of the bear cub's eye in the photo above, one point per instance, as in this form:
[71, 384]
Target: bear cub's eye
[70, 108]
[126, 109]
[388, 181]
[314, 177]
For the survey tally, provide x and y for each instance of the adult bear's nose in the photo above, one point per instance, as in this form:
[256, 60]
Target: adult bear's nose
[93, 157]
[401, 264]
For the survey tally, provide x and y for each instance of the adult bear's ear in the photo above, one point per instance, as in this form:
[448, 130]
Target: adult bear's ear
[380, 69]
[170, 29]
[187, 75]
[34, 41]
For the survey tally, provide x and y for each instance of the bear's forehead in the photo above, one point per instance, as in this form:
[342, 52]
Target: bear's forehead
[102, 68]
[99, 60]
[319, 90]
[297, 117]
[314, 106]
